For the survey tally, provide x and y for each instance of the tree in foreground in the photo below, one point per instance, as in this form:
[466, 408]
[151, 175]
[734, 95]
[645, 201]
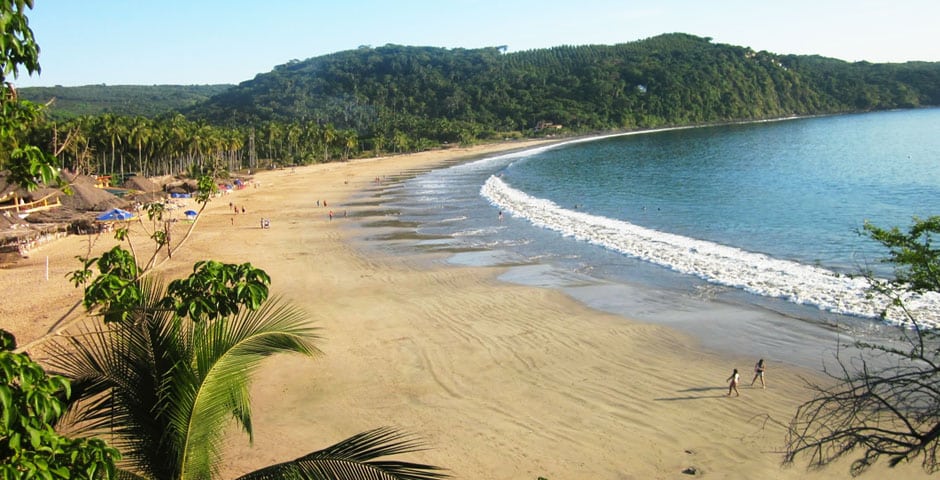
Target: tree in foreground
[31, 402]
[170, 367]
[21, 163]
[885, 402]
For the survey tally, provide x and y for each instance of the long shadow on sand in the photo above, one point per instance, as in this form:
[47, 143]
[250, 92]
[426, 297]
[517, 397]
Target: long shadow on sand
[702, 390]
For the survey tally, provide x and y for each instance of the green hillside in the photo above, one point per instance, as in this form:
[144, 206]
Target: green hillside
[130, 100]
[665, 80]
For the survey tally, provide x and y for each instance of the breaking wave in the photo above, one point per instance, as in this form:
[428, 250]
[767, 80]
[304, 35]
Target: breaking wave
[753, 272]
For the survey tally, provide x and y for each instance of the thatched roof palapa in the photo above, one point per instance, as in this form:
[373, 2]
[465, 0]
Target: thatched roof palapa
[142, 184]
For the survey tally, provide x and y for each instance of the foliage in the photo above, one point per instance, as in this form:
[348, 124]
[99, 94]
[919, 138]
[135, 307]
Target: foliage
[353, 458]
[915, 257]
[171, 145]
[166, 387]
[217, 290]
[31, 402]
[115, 288]
[148, 101]
[885, 402]
[166, 380]
[119, 145]
[26, 165]
[450, 95]
[19, 47]
[30, 167]
[214, 289]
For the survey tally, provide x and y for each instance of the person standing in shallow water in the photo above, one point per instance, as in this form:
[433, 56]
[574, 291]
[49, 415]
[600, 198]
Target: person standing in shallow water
[759, 373]
[733, 385]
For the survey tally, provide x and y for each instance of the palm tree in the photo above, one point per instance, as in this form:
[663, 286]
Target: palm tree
[329, 136]
[164, 388]
[139, 133]
[350, 143]
[113, 130]
[352, 459]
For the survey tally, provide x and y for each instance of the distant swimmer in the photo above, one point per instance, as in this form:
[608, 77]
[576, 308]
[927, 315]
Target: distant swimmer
[500, 215]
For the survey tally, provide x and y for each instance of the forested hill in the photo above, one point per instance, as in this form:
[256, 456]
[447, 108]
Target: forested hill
[669, 79]
[130, 100]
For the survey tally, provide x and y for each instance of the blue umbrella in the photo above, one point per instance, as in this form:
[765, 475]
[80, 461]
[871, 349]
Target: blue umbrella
[115, 214]
[191, 213]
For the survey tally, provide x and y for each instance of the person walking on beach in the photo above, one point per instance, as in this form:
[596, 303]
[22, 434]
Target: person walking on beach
[759, 373]
[733, 386]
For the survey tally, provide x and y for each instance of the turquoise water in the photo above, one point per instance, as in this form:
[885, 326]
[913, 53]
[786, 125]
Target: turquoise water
[795, 190]
[676, 226]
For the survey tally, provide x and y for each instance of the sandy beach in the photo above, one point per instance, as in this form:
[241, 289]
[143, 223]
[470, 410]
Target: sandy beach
[502, 381]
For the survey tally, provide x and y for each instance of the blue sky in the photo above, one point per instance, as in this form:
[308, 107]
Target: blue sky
[190, 42]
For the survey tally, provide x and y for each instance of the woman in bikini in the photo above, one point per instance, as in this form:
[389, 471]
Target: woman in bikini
[759, 373]
[733, 386]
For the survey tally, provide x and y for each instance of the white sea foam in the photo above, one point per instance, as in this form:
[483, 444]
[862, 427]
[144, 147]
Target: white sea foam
[753, 272]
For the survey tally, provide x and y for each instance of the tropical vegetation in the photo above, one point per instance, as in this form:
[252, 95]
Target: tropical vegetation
[671, 79]
[174, 145]
[393, 98]
[165, 377]
[123, 100]
[31, 400]
[31, 403]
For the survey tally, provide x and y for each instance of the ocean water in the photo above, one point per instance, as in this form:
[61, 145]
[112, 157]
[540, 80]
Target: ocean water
[738, 228]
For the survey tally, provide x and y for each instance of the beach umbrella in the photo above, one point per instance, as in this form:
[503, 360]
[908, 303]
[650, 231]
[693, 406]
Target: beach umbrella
[191, 213]
[115, 214]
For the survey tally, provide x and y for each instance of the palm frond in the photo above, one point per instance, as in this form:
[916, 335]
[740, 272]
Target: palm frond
[354, 458]
[227, 353]
[129, 475]
[120, 372]
[165, 388]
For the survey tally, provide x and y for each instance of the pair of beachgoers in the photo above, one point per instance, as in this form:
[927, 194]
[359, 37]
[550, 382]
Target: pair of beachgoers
[735, 378]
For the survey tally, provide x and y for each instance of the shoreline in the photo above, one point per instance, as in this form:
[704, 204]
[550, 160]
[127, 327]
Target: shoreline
[501, 381]
[717, 315]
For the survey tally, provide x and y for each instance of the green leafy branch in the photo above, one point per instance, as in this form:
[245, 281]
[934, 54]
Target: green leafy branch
[217, 289]
[31, 402]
